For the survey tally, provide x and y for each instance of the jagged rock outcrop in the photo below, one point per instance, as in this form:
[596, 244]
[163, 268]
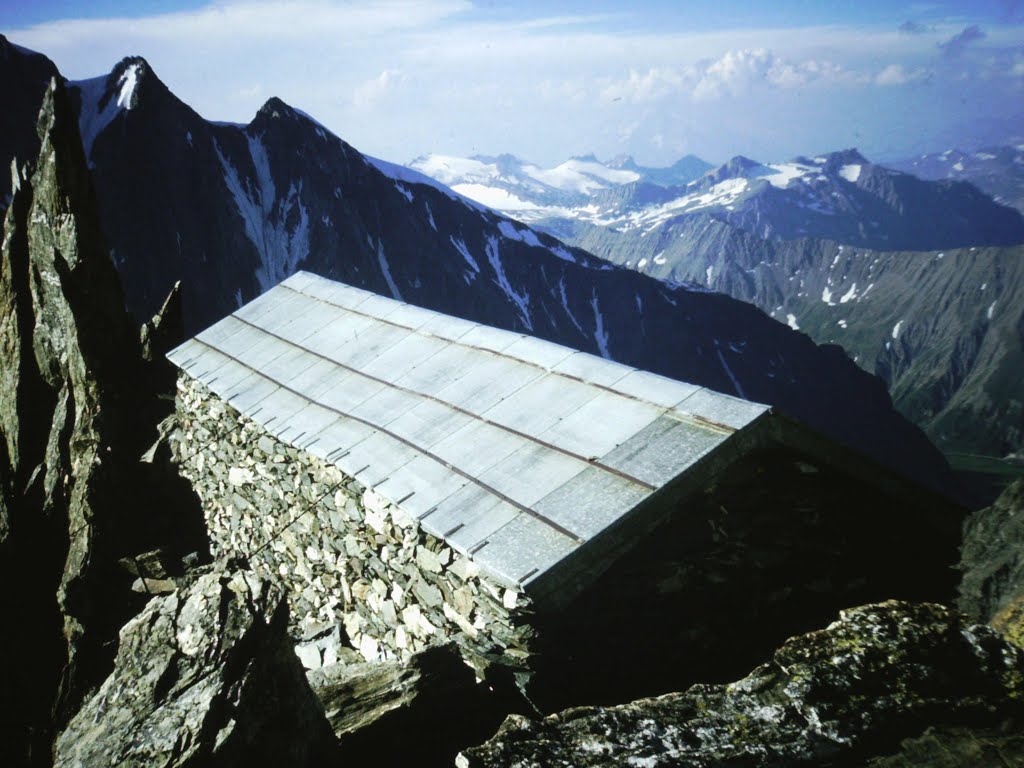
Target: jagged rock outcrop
[992, 561]
[75, 415]
[880, 674]
[204, 676]
[24, 76]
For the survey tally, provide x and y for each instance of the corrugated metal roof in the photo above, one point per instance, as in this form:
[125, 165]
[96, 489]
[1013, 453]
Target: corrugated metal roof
[515, 450]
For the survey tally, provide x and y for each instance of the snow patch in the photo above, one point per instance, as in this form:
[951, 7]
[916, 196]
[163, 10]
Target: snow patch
[600, 333]
[787, 172]
[460, 246]
[826, 296]
[493, 197]
[896, 329]
[128, 81]
[565, 305]
[521, 300]
[659, 259]
[92, 120]
[991, 309]
[791, 322]
[430, 217]
[729, 373]
[188, 137]
[386, 270]
[583, 176]
[266, 217]
[405, 192]
[849, 295]
[850, 172]
[528, 236]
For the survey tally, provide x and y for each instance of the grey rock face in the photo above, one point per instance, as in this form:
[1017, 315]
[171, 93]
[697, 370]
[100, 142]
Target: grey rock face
[75, 415]
[992, 560]
[66, 355]
[203, 676]
[880, 674]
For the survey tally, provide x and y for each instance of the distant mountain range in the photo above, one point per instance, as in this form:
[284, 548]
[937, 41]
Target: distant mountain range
[851, 253]
[528, 192]
[839, 196]
[997, 171]
[229, 210]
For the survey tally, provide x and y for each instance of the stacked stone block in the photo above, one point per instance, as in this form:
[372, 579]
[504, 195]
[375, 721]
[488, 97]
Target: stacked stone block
[347, 558]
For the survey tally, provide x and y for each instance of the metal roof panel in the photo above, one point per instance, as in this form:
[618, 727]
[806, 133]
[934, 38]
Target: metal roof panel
[515, 450]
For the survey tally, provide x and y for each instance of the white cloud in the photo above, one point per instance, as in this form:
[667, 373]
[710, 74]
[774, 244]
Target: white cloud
[367, 94]
[733, 74]
[897, 74]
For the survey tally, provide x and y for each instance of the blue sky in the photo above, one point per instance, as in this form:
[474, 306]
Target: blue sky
[545, 80]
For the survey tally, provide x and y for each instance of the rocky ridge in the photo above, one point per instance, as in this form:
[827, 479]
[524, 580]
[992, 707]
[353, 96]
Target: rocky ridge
[880, 674]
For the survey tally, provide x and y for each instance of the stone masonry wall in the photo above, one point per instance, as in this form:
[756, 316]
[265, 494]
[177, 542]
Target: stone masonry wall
[347, 558]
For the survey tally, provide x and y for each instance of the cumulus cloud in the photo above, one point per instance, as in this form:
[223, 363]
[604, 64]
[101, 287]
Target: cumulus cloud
[958, 43]
[732, 74]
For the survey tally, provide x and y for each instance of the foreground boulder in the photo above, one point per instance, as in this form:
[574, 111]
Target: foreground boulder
[880, 674]
[992, 561]
[203, 676]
